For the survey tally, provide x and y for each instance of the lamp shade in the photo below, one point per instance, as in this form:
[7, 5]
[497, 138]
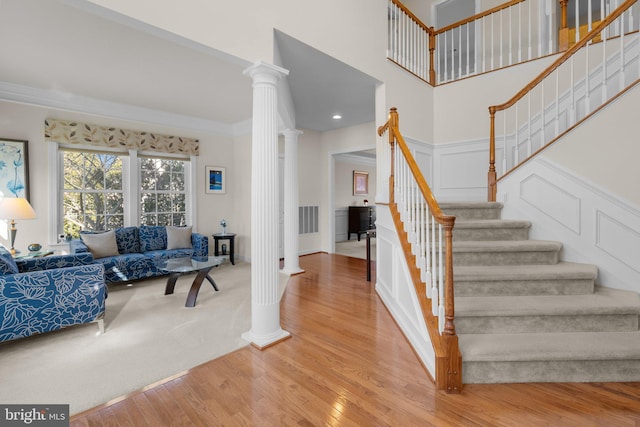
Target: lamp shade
[16, 208]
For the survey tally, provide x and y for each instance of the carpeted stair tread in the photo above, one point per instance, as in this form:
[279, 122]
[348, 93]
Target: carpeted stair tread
[491, 223]
[506, 246]
[561, 270]
[469, 205]
[571, 346]
[603, 301]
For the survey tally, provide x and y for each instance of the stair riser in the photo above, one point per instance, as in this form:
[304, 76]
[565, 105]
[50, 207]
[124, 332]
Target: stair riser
[464, 214]
[536, 324]
[550, 371]
[492, 234]
[505, 258]
[523, 287]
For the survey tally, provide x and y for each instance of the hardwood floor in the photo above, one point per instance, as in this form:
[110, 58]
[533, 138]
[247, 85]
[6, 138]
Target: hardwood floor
[348, 364]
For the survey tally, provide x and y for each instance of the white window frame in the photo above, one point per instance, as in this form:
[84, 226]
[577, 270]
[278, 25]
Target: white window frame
[130, 183]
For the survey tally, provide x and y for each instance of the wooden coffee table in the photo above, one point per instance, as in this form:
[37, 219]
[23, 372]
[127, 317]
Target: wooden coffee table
[176, 267]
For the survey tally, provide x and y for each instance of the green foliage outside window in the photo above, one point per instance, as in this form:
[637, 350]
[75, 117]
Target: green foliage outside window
[93, 197]
[162, 195]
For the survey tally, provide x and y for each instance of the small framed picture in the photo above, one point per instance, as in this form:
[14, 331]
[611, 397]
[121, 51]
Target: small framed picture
[360, 183]
[216, 180]
[14, 168]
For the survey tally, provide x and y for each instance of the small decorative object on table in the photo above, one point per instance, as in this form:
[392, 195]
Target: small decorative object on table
[223, 224]
[34, 247]
[366, 202]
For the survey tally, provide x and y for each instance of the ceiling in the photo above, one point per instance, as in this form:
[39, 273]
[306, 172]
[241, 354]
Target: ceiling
[54, 47]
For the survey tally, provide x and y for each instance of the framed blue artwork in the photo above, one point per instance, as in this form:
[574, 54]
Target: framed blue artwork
[216, 180]
[14, 168]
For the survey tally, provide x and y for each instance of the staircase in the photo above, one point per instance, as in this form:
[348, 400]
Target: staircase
[524, 315]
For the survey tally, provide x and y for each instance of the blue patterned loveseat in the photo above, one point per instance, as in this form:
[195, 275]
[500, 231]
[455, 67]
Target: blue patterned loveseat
[131, 253]
[46, 294]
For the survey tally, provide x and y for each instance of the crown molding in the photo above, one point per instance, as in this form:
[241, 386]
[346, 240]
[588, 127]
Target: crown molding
[87, 105]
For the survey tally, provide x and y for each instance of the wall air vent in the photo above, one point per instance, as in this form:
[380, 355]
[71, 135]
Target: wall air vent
[307, 219]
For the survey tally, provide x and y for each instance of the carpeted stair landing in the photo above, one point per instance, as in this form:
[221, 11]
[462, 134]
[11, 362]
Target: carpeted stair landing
[524, 315]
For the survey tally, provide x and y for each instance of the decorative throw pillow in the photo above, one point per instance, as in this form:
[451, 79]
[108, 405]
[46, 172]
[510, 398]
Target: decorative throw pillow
[127, 240]
[7, 263]
[101, 244]
[152, 238]
[178, 237]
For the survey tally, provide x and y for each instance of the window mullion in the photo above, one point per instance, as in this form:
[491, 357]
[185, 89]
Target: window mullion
[131, 184]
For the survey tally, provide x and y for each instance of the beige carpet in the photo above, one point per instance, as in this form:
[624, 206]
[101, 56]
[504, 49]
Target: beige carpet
[149, 337]
[356, 249]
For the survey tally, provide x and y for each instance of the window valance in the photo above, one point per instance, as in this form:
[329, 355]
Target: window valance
[73, 132]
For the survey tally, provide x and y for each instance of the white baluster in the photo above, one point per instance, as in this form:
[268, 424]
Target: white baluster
[587, 84]
[605, 60]
[440, 282]
[510, 36]
[504, 142]
[530, 49]
[529, 126]
[460, 51]
[501, 37]
[572, 106]
[468, 27]
[516, 159]
[577, 24]
[542, 123]
[427, 279]
[557, 100]
[434, 281]
[622, 61]
[492, 29]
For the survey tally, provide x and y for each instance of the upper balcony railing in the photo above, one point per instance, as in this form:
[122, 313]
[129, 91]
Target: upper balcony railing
[514, 32]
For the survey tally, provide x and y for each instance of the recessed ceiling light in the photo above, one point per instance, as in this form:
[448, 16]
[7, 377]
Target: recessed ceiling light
[337, 117]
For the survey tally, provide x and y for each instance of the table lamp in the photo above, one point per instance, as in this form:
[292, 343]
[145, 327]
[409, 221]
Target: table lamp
[15, 208]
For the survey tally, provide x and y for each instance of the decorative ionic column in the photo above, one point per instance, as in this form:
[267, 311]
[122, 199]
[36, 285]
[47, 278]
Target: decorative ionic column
[265, 298]
[291, 219]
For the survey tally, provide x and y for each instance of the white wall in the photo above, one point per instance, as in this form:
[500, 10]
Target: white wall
[310, 185]
[462, 107]
[605, 150]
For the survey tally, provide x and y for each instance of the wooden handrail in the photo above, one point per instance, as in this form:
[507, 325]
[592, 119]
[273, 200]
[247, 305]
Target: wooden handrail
[478, 16]
[449, 364]
[413, 17]
[565, 56]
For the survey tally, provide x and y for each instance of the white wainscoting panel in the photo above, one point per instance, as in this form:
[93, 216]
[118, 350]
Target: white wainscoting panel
[342, 224]
[460, 171]
[395, 288]
[618, 240]
[594, 226]
[552, 200]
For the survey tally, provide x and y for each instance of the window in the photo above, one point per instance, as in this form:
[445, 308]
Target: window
[93, 196]
[104, 190]
[163, 191]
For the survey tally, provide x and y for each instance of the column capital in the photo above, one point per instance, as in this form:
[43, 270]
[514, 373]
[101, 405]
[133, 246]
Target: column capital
[261, 72]
[291, 132]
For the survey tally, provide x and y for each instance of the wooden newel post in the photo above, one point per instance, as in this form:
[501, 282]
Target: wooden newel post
[563, 35]
[492, 177]
[432, 48]
[449, 305]
[393, 127]
[454, 362]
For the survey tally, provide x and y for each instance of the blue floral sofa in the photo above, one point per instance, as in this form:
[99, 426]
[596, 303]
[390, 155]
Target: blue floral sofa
[46, 294]
[132, 253]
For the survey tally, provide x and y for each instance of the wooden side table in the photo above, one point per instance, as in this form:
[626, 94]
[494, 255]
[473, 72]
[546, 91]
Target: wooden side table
[226, 236]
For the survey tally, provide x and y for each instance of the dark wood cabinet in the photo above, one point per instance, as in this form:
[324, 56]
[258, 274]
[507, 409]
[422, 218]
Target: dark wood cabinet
[361, 219]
